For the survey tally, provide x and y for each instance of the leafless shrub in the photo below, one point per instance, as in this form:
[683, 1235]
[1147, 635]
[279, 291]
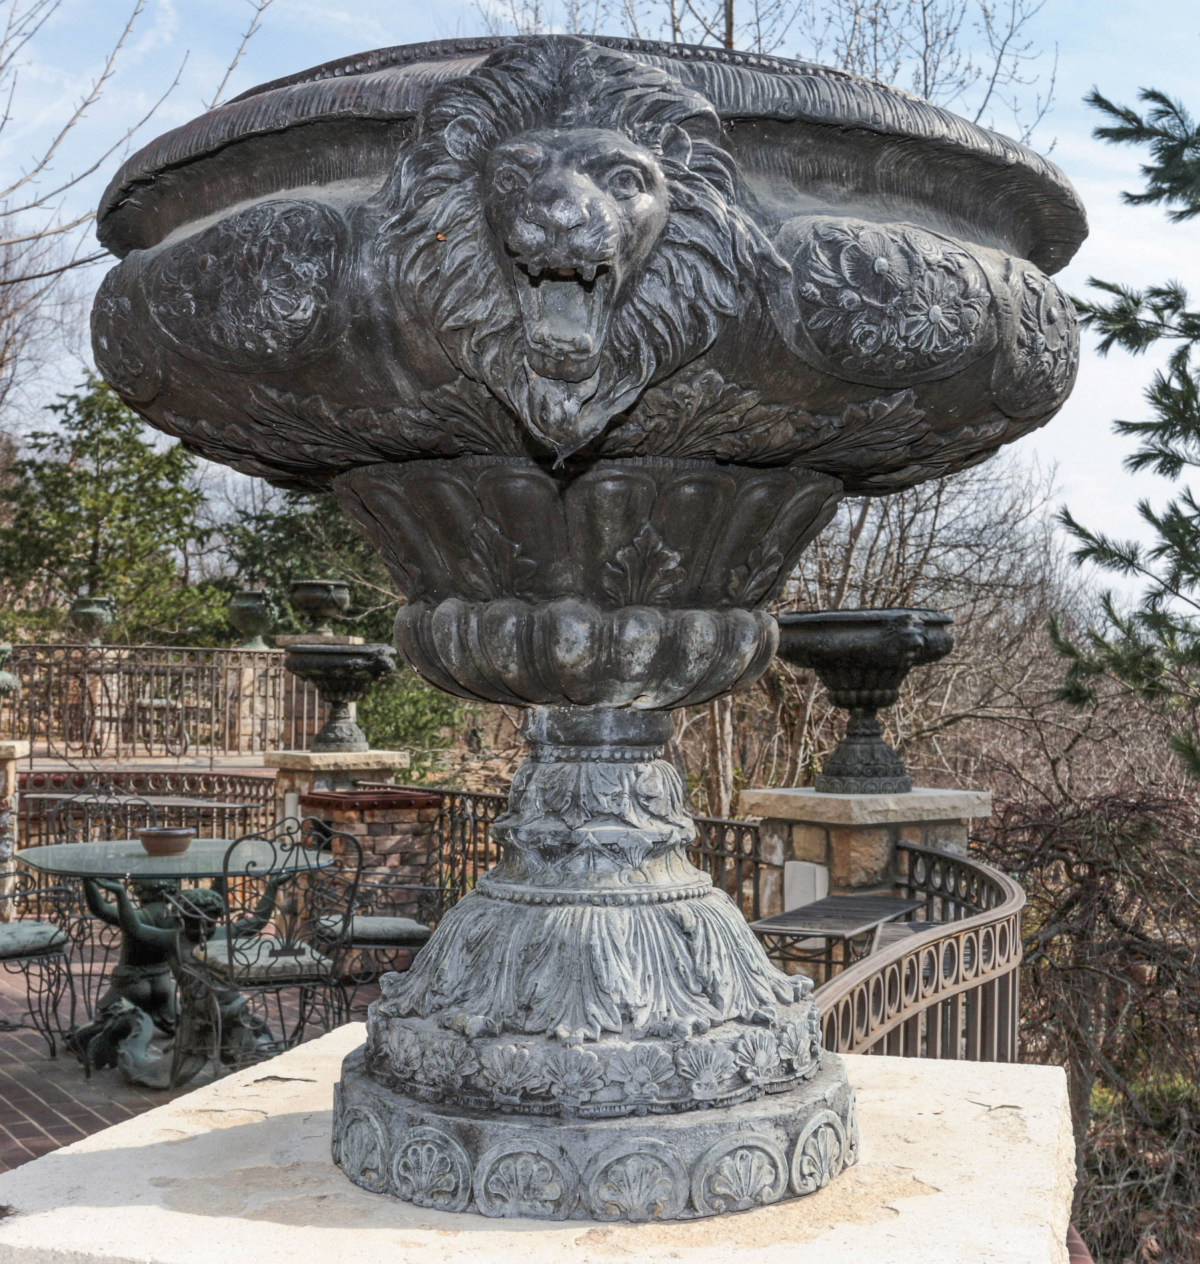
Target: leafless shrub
[1111, 991]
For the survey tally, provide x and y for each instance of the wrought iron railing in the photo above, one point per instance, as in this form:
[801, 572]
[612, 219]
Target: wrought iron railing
[730, 853]
[150, 701]
[218, 804]
[950, 991]
[464, 832]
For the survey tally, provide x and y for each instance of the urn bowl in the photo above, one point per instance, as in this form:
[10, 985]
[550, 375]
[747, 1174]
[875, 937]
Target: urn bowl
[91, 615]
[760, 262]
[320, 601]
[532, 306]
[863, 656]
[253, 615]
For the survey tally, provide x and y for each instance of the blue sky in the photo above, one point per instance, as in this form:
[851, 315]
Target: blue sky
[1119, 47]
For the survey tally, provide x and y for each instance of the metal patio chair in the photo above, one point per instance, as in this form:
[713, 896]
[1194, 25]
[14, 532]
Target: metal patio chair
[34, 942]
[392, 920]
[271, 966]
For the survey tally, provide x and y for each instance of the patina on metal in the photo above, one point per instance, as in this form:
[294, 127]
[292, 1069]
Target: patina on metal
[252, 613]
[862, 658]
[342, 674]
[589, 336]
[91, 615]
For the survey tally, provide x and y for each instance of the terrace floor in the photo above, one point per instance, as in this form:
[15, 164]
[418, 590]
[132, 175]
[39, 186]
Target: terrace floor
[45, 1103]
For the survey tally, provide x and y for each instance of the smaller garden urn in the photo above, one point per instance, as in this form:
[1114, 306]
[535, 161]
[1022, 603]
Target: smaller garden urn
[320, 600]
[91, 615]
[862, 658]
[342, 674]
[251, 614]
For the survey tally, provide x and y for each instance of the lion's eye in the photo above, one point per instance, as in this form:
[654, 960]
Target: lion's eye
[510, 179]
[626, 182]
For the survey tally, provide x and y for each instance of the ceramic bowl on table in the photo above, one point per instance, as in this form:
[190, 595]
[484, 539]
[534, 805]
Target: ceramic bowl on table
[159, 840]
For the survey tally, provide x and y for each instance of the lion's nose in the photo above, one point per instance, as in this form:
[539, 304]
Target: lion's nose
[559, 215]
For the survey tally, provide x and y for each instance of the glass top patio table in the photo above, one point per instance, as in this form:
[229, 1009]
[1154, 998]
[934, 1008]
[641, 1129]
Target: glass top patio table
[121, 858]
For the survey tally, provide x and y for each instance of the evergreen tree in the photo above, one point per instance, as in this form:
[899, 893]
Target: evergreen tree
[1153, 648]
[95, 507]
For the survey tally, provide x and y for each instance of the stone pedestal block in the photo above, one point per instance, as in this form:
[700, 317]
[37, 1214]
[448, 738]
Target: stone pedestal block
[302, 772]
[10, 754]
[397, 829]
[960, 1161]
[855, 835]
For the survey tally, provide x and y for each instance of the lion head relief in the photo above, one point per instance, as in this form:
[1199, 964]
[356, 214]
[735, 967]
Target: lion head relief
[568, 225]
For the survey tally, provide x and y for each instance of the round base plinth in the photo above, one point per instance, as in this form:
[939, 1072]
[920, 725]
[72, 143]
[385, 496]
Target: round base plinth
[660, 1167]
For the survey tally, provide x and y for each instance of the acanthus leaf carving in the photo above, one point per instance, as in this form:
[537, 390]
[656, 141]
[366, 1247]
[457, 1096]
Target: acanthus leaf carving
[738, 1173]
[643, 572]
[512, 1070]
[707, 1069]
[574, 1075]
[757, 1056]
[496, 565]
[641, 1071]
[526, 1178]
[638, 1179]
[360, 1149]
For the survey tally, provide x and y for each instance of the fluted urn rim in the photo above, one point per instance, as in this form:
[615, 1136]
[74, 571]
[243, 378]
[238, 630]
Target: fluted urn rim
[384, 85]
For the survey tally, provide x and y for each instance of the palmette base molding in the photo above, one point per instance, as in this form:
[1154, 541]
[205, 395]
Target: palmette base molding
[665, 1167]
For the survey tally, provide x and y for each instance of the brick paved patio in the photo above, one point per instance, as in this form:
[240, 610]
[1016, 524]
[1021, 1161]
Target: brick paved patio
[45, 1104]
[48, 1103]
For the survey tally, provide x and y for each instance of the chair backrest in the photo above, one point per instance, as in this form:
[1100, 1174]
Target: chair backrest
[381, 893]
[289, 897]
[24, 898]
[100, 812]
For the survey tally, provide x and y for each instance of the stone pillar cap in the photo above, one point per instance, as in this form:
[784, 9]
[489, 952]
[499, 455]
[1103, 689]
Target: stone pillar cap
[803, 803]
[336, 761]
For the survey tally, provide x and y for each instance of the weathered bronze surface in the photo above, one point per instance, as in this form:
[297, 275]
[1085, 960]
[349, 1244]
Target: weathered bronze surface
[589, 336]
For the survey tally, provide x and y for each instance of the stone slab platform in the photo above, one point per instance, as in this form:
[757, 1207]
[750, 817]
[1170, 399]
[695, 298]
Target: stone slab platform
[961, 1163]
[803, 803]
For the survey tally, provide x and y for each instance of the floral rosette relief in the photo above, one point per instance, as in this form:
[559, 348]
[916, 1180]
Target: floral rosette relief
[589, 337]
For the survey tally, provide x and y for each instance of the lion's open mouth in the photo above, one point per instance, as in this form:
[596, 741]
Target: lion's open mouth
[565, 315]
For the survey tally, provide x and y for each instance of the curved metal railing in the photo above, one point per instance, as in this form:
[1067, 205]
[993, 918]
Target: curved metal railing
[950, 991]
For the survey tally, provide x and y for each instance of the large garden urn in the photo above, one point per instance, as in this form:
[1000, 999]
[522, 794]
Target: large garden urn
[589, 336]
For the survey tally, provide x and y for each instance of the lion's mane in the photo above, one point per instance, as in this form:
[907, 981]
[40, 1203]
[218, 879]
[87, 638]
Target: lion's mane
[440, 252]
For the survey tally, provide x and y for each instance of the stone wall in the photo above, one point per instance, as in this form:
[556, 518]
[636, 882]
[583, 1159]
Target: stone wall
[10, 754]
